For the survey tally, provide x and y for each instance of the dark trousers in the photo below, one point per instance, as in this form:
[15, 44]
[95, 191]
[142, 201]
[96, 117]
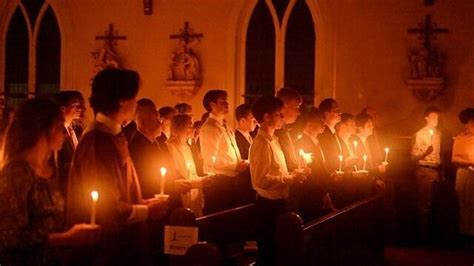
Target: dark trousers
[267, 214]
[219, 195]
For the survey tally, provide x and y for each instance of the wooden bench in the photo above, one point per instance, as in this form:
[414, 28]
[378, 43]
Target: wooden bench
[350, 236]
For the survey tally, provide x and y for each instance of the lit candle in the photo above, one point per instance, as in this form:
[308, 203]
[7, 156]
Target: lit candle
[365, 161]
[355, 147]
[299, 136]
[188, 170]
[301, 159]
[162, 180]
[213, 163]
[386, 155]
[340, 162]
[431, 134]
[95, 197]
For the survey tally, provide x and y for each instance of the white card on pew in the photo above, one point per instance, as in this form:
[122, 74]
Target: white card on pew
[179, 238]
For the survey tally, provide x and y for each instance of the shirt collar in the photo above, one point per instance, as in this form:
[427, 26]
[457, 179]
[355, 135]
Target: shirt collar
[111, 125]
[246, 134]
[218, 118]
[265, 135]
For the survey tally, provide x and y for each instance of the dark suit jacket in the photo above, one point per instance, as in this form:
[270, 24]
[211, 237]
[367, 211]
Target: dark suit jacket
[330, 146]
[130, 130]
[243, 144]
[65, 155]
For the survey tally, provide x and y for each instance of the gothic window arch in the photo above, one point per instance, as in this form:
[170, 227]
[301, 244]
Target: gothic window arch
[286, 48]
[32, 52]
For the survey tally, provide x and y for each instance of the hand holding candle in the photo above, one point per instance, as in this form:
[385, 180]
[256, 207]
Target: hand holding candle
[95, 197]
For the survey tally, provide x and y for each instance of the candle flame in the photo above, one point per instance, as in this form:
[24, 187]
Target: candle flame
[163, 171]
[340, 157]
[301, 152]
[188, 165]
[431, 132]
[95, 195]
[299, 136]
[213, 159]
[387, 150]
[355, 143]
[365, 157]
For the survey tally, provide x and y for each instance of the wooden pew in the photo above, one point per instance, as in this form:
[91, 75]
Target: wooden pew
[350, 236]
[227, 230]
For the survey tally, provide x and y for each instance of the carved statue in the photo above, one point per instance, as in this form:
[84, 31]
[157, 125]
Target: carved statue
[184, 64]
[106, 57]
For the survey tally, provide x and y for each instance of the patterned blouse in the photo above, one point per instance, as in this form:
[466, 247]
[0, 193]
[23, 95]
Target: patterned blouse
[31, 208]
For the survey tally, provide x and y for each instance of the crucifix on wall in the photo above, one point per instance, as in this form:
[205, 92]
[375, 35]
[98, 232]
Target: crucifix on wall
[107, 56]
[426, 62]
[184, 72]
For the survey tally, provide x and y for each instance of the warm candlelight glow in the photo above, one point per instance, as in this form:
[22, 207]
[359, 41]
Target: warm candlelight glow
[299, 136]
[340, 162]
[188, 170]
[95, 197]
[162, 180]
[213, 163]
[386, 154]
[431, 132]
[301, 159]
[365, 161]
[355, 146]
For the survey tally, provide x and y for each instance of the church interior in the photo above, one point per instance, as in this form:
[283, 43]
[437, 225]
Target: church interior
[402, 194]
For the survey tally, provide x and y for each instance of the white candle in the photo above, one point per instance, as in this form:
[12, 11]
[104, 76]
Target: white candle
[355, 147]
[188, 170]
[365, 160]
[431, 134]
[340, 162]
[301, 159]
[386, 154]
[213, 163]
[299, 136]
[162, 180]
[95, 197]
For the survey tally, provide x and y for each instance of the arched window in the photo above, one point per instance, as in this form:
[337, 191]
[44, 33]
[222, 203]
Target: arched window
[33, 39]
[260, 54]
[16, 59]
[300, 51]
[280, 49]
[48, 55]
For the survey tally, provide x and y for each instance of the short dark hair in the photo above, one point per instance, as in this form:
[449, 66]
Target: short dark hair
[312, 115]
[345, 117]
[266, 105]
[288, 94]
[466, 115]
[242, 111]
[361, 119]
[326, 105]
[146, 102]
[167, 112]
[204, 117]
[183, 108]
[112, 85]
[211, 97]
[66, 97]
[431, 109]
[179, 122]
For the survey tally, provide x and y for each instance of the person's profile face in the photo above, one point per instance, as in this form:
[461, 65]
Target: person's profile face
[276, 119]
[221, 106]
[73, 110]
[469, 127]
[127, 108]
[249, 122]
[432, 120]
[291, 110]
[351, 127]
[334, 115]
[368, 128]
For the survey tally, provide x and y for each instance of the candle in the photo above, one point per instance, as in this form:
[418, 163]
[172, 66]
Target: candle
[188, 170]
[431, 134]
[213, 163]
[355, 147]
[162, 180]
[386, 155]
[365, 161]
[301, 159]
[340, 162]
[299, 136]
[95, 197]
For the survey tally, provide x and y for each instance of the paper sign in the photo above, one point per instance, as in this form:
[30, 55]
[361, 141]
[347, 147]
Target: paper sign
[179, 238]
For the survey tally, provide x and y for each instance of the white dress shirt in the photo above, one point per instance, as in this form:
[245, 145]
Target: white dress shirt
[422, 141]
[218, 141]
[270, 177]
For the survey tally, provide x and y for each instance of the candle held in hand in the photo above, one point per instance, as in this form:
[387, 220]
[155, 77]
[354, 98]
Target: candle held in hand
[162, 180]
[365, 161]
[95, 197]
[386, 155]
[340, 162]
